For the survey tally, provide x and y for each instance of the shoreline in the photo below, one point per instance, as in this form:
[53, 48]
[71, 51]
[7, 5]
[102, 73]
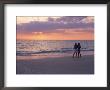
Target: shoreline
[52, 55]
[59, 65]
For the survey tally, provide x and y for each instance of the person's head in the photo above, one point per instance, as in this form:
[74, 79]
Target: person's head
[75, 43]
[78, 43]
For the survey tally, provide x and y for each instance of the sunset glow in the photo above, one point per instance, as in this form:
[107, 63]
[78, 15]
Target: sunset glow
[55, 28]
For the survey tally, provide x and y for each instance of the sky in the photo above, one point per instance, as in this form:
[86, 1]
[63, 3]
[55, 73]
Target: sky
[55, 28]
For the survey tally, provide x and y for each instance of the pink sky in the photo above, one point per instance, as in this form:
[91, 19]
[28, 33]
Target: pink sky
[56, 28]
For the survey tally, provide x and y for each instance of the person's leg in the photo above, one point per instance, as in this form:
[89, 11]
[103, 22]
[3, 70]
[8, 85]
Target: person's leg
[80, 54]
[73, 54]
[76, 53]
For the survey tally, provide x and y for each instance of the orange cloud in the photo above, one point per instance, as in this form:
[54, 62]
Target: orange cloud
[67, 35]
[37, 32]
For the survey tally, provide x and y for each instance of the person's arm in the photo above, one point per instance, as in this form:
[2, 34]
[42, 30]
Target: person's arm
[73, 48]
[80, 47]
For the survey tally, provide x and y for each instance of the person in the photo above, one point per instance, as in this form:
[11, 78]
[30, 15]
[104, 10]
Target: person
[75, 50]
[79, 49]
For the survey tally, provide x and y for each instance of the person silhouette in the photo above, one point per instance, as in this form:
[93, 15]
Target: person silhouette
[75, 50]
[79, 50]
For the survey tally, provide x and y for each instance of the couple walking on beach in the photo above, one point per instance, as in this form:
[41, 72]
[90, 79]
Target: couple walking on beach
[77, 50]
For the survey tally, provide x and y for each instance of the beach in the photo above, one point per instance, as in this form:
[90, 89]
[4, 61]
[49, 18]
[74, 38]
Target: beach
[57, 65]
[45, 45]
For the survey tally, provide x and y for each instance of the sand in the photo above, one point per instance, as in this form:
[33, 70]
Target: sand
[59, 65]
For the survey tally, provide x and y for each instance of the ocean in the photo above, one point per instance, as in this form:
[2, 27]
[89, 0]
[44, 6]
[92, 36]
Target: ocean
[51, 47]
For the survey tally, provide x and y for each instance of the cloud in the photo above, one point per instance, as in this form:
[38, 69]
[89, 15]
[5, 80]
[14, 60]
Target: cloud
[88, 20]
[37, 32]
[52, 24]
[70, 19]
[76, 30]
[27, 19]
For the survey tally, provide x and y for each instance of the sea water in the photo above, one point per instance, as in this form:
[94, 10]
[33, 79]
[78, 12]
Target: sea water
[52, 47]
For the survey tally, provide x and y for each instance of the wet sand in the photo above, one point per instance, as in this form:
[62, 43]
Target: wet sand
[58, 65]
